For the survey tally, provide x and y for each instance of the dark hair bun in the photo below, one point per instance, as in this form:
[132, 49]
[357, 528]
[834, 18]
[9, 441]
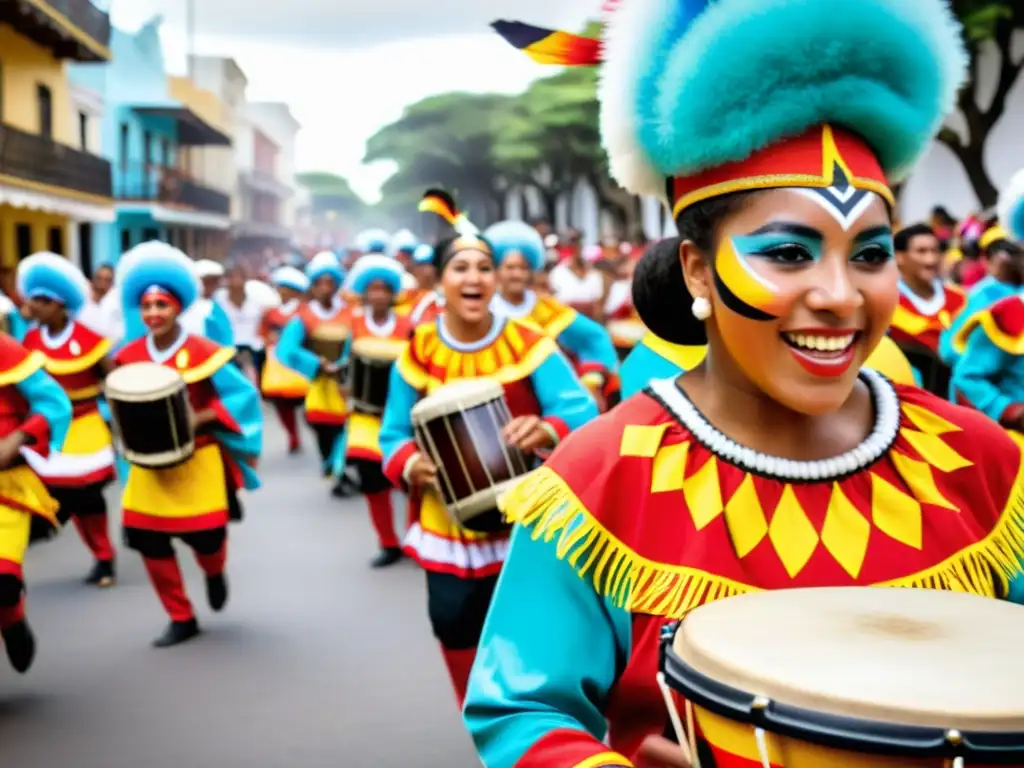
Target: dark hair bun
[661, 297]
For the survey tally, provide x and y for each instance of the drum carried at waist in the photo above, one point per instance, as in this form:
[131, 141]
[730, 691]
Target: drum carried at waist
[152, 416]
[369, 370]
[327, 340]
[872, 677]
[459, 427]
[935, 374]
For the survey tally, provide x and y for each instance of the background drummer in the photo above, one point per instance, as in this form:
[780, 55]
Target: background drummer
[281, 386]
[519, 253]
[421, 302]
[193, 501]
[35, 415]
[76, 356]
[544, 396]
[376, 279]
[326, 409]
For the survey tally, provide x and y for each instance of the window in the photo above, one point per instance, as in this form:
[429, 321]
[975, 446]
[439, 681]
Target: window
[126, 240]
[85, 248]
[165, 145]
[123, 148]
[147, 149]
[23, 238]
[150, 234]
[83, 131]
[45, 102]
[55, 240]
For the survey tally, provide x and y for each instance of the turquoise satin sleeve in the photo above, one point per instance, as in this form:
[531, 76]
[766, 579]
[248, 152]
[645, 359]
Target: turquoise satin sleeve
[977, 374]
[291, 352]
[589, 342]
[981, 297]
[346, 352]
[396, 423]
[17, 327]
[642, 365]
[241, 400]
[548, 658]
[560, 392]
[47, 398]
[218, 326]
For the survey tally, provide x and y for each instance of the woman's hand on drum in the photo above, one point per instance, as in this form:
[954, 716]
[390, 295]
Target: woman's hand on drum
[9, 447]
[527, 433]
[659, 752]
[422, 472]
[327, 368]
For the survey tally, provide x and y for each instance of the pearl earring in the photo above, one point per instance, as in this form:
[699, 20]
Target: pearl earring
[701, 308]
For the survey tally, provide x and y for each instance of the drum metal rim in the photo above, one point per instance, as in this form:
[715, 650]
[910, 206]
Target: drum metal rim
[377, 350]
[480, 502]
[840, 732]
[138, 370]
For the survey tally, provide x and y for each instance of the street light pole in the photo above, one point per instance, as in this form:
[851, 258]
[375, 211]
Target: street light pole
[190, 32]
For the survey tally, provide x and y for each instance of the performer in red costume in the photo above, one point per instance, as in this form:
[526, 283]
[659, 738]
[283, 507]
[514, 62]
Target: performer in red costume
[35, 415]
[76, 356]
[193, 501]
[280, 385]
[777, 462]
[376, 279]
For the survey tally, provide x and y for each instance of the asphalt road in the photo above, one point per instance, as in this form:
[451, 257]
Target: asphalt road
[317, 661]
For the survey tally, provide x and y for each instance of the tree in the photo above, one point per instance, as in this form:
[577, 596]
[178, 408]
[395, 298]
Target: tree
[331, 192]
[989, 26]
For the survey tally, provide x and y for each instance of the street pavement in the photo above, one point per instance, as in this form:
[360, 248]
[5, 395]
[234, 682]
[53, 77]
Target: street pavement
[317, 661]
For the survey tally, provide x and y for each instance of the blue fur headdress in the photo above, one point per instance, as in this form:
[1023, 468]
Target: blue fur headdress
[325, 263]
[402, 241]
[508, 237]
[424, 254]
[692, 85]
[156, 264]
[47, 275]
[372, 241]
[374, 267]
[1011, 206]
[290, 277]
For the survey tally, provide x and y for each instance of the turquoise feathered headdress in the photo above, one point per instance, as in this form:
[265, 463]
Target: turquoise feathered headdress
[325, 263]
[689, 86]
[507, 237]
[371, 268]
[290, 277]
[48, 275]
[156, 264]
[1011, 206]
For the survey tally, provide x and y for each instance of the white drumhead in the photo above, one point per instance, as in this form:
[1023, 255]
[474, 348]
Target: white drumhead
[457, 396]
[330, 332]
[378, 349]
[908, 656]
[142, 382]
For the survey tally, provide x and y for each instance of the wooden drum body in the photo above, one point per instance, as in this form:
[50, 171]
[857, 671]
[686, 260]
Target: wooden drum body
[459, 428]
[369, 371]
[150, 407]
[851, 677]
[327, 340]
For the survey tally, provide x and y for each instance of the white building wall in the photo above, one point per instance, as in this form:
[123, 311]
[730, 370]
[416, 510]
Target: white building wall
[276, 122]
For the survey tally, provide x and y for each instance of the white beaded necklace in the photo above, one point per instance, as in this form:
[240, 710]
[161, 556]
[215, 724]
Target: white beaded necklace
[883, 435]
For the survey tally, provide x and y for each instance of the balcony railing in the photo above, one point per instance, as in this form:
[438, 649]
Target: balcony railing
[72, 29]
[41, 160]
[169, 186]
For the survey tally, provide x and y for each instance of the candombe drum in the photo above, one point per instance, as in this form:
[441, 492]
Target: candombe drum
[459, 427]
[151, 412]
[855, 677]
[327, 340]
[369, 371]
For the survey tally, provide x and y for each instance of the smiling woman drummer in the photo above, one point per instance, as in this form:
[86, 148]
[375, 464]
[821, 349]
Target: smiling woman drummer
[777, 462]
[193, 499]
[546, 401]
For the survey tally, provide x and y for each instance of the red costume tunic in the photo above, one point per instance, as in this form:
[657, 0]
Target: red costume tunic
[911, 325]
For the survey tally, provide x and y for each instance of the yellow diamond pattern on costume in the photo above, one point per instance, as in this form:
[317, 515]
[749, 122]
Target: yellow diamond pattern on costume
[792, 534]
[745, 518]
[894, 513]
[845, 532]
[669, 468]
[920, 480]
[704, 494]
[935, 451]
[642, 441]
[928, 422]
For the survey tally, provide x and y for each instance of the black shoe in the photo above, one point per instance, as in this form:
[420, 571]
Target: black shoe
[344, 489]
[21, 646]
[387, 556]
[102, 574]
[177, 632]
[217, 591]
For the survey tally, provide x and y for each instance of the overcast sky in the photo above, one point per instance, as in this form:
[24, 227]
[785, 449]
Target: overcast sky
[347, 67]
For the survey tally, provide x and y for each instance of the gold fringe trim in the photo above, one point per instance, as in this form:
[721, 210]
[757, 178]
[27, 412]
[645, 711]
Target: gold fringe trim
[546, 506]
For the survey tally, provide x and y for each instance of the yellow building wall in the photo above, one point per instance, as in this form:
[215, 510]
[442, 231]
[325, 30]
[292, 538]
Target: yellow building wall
[26, 65]
[40, 223]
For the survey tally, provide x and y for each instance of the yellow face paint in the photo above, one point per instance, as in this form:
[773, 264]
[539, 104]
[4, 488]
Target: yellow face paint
[741, 289]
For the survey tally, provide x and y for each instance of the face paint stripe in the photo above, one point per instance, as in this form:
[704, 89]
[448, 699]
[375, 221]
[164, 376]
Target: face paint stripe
[741, 281]
[737, 305]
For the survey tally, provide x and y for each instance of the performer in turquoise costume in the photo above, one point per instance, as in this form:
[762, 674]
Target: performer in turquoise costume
[778, 462]
[989, 371]
[13, 324]
[519, 252]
